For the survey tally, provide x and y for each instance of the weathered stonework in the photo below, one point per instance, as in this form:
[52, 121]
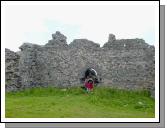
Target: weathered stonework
[12, 76]
[124, 63]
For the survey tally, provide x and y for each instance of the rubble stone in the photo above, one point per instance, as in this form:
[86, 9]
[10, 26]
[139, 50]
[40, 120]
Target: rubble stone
[123, 63]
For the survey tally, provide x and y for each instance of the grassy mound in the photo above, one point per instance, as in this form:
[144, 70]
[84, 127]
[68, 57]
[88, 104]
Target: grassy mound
[103, 102]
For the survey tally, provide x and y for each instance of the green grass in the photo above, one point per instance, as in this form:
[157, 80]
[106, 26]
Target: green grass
[76, 103]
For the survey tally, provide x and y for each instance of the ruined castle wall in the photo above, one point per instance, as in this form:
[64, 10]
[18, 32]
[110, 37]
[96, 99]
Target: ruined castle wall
[125, 63]
[130, 63]
[12, 75]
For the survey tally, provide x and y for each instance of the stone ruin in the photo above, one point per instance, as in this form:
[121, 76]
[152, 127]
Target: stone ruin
[123, 63]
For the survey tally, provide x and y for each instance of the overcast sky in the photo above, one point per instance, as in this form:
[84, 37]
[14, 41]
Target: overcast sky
[36, 23]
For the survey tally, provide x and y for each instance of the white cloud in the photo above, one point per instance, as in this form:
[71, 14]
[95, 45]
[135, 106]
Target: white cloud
[28, 23]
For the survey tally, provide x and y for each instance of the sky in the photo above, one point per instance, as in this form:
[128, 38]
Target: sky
[36, 23]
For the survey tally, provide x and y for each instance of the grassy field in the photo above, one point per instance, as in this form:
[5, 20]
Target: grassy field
[76, 103]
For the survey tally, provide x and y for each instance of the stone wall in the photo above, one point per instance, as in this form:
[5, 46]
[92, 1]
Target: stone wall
[125, 63]
[12, 76]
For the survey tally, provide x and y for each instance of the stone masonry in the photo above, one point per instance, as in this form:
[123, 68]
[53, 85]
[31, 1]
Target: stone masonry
[123, 63]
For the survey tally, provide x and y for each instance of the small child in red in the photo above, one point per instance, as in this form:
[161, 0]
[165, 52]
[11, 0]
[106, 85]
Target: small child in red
[89, 85]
